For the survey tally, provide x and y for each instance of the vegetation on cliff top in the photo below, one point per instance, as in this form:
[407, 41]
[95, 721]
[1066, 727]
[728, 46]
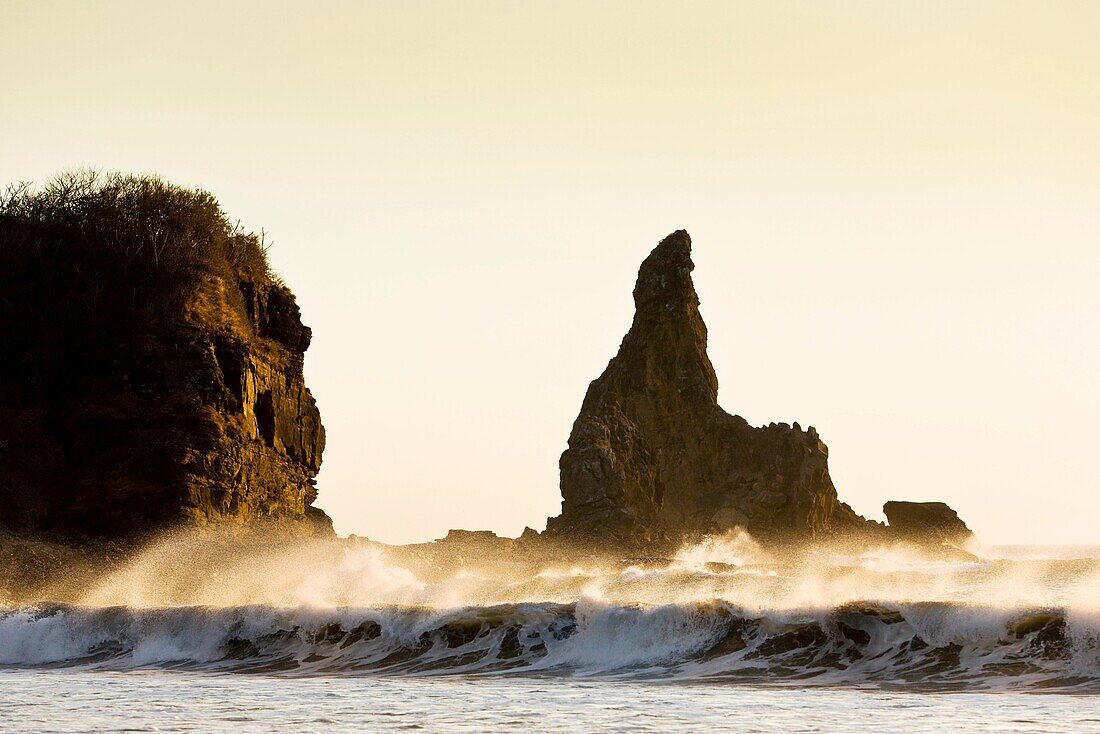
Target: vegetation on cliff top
[93, 262]
[119, 247]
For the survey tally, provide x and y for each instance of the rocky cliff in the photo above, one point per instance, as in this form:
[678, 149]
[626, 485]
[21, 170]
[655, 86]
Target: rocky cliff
[652, 454]
[152, 371]
[652, 457]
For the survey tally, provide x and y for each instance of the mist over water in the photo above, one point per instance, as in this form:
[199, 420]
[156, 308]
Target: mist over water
[726, 608]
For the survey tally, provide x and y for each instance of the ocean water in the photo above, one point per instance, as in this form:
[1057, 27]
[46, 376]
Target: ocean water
[176, 701]
[723, 637]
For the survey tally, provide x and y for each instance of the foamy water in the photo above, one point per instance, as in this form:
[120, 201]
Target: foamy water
[724, 629]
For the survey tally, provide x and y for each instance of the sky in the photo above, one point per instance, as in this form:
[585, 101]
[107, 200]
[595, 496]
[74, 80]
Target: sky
[895, 209]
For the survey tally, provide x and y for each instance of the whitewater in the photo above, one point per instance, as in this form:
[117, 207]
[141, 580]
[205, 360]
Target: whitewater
[723, 635]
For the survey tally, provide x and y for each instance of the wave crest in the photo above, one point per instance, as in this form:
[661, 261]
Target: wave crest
[930, 645]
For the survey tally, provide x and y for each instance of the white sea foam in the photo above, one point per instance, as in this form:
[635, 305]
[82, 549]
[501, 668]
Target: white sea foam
[721, 608]
[928, 644]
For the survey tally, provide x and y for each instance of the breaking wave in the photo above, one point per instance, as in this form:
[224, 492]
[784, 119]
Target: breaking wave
[723, 609]
[930, 645]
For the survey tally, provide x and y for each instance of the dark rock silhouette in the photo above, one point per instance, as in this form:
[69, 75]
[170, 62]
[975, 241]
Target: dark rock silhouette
[926, 523]
[152, 369]
[652, 454]
[152, 377]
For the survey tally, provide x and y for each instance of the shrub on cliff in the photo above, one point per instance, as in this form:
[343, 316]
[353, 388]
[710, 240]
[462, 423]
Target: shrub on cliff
[91, 262]
[119, 245]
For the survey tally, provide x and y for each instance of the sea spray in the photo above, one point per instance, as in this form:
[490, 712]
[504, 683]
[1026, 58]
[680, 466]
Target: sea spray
[724, 607]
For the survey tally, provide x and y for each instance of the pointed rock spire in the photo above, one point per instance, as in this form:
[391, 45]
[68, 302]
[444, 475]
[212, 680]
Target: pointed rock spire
[664, 279]
[653, 456]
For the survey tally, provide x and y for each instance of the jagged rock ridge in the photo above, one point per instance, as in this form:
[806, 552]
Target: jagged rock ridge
[652, 454]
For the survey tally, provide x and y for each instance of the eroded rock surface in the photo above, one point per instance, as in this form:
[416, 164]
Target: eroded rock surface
[198, 421]
[653, 455]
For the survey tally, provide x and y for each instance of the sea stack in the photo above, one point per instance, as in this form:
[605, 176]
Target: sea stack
[926, 523]
[152, 371]
[652, 455]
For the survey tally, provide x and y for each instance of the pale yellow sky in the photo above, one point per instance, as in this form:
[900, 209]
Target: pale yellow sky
[895, 209]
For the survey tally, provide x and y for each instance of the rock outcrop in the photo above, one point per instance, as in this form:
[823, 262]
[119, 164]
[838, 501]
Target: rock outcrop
[653, 455]
[152, 373]
[926, 523]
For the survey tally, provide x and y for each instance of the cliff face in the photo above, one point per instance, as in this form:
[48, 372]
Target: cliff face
[138, 395]
[652, 455]
[259, 418]
[204, 420]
